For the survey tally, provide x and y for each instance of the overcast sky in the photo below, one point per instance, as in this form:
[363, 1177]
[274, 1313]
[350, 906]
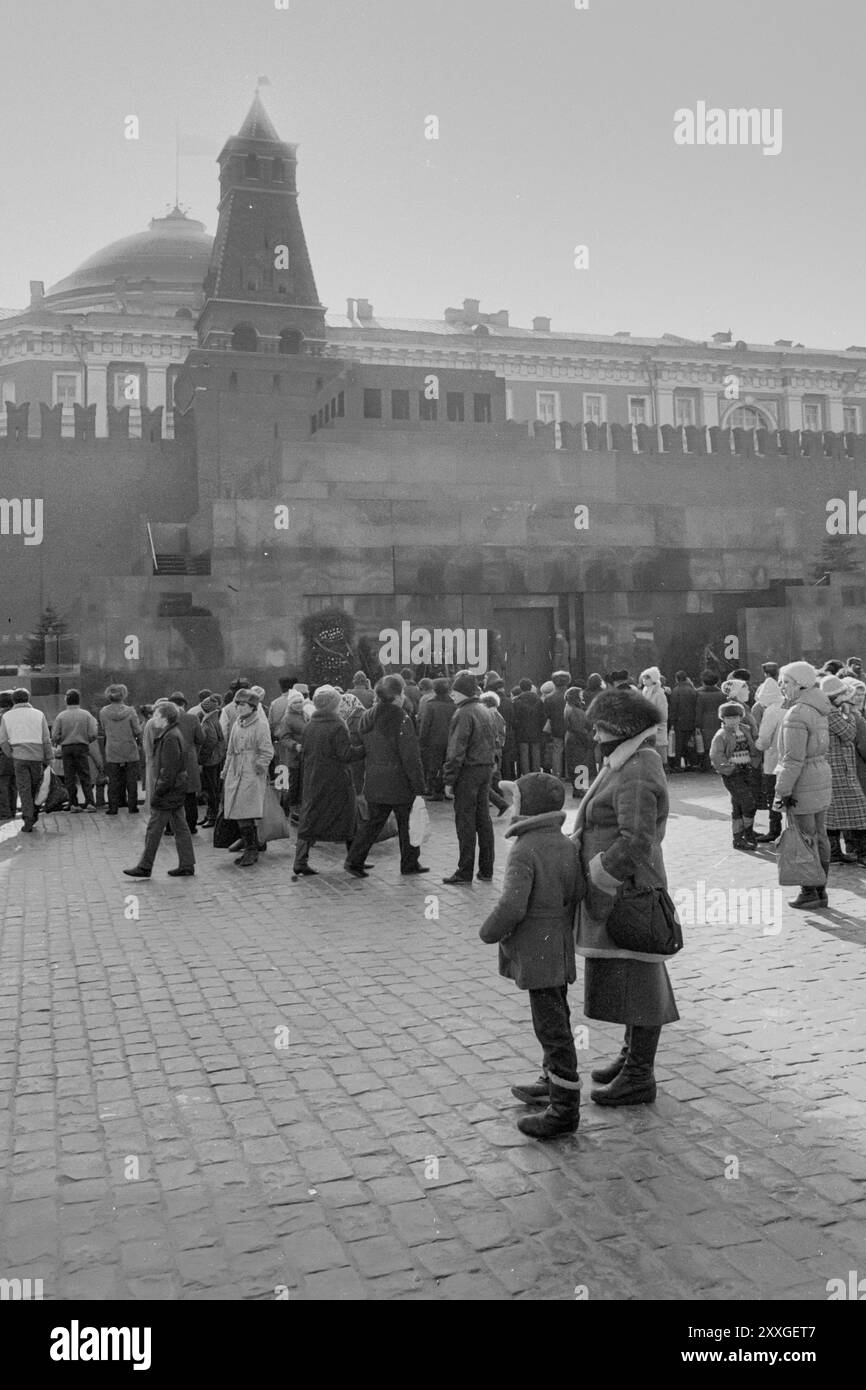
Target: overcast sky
[556, 129]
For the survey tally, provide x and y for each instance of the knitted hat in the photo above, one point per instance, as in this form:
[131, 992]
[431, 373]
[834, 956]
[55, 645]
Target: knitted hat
[326, 698]
[536, 794]
[116, 692]
[547, 689]
[769, 693]
[736, 689]
[651, 674]
[258, 690]
[833, 686]
[802, 673]
[493, 681]
[561, 679]
[624, 712]
[464, 683]
[731, 707]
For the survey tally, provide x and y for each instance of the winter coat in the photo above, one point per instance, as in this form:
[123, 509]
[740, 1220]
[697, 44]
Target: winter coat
[709, 697]
[657, 697]
[554, 709]
[190, 731]
[328, 806]
[848, 807]
[213, 749]
[620, 827]
[860, 746]
[682, 704]
[803, 770]
[533, 922]
[768, 737]
[122, 731]
[578, 741]
[506, 709]
[722, 750]
[393, 775]
[471, 739]
[434, 721]
[168, 770]
[287, 738]
[74, 726]
[364, 694]
[245, 772]
[498, 731]
[529, 717]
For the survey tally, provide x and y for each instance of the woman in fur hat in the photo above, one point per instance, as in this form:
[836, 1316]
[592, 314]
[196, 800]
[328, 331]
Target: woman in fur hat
[619, 829]
[803, 777]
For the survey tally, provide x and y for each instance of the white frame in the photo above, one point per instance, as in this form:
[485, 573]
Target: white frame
[509, 403]
[647, 408]
[816, 406]
[689, 402]
[557, 407]
[79, 387]
[855, 411]
[594, 396]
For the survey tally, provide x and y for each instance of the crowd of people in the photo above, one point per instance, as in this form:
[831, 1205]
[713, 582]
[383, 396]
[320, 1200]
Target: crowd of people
[345, 762]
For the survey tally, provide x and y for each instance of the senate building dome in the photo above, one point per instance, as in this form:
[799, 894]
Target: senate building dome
[159, 271]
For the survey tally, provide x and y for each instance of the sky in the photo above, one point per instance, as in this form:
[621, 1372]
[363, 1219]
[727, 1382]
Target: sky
[556, 130]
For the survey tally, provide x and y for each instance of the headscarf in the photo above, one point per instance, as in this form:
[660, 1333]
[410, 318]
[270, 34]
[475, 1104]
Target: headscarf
[349, 705]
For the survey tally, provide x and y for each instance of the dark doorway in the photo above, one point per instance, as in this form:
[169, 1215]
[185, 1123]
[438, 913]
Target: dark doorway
[527, 640]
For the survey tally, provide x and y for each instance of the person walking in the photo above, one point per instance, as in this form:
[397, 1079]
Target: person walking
[245, 773]
[329, 805]
[169, 777]
[468, 765]
[803, 777]
[74, 730]
[191, 733]
[533, 924]
[619, 830]
[211, 757]
[847, 813]
[122, 733]
[434, 721]
[393, 777]
[8, 792]
[25, 739]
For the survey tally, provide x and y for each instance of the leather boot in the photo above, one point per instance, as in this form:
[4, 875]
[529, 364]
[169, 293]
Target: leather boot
[604, 1075]
[810, 897]
[837, 854]
[562, 1115]
[250, 855]
[536, 1093]
[636, 1083]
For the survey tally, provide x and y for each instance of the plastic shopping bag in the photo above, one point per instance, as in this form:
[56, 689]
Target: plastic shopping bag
[274, 824]
[797, 858]
[419, 822]
[44, 788]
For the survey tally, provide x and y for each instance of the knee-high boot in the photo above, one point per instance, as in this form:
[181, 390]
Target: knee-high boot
[250, 855]
[604, 1075]
[636, 1083]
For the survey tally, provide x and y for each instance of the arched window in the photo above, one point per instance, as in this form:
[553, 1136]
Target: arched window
[183, 314]
[251, 167]
[278, 171]
[245, 338]
[748, 417]
[290, 342]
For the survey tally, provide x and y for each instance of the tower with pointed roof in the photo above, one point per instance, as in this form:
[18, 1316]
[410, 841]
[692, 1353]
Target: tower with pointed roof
[260, 292]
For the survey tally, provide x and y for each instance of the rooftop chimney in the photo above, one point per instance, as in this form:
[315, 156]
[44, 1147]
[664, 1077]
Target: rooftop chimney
[541, 325]
[500, 318]
[784, 342]
[365, 309]
[350, 308]
[37, 292]
[471, 308]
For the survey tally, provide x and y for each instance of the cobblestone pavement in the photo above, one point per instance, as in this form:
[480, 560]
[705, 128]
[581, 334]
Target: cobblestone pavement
[160, 1141]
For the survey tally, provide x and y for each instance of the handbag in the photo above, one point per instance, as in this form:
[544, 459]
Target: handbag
[645, 919]
[44, 788]
[672, 743]
[797, 858]
[273, 824]
[419, 822]
[225, 831]
[57, 798]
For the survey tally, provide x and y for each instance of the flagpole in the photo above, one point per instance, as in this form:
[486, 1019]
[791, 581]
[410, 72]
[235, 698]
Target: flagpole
[177, 160]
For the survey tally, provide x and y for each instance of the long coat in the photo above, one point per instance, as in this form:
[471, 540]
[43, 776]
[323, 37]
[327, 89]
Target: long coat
[682, 704]
[534, 918]
[329, 805]
[170, 777]
[393, 775]
[620, 827]
[245, 771]
[803, 770]
[191, 733]
[709, 697]
[848, 807]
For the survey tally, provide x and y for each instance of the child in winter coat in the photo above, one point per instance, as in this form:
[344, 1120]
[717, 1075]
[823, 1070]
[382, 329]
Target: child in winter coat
[735, 758]
[533, 923]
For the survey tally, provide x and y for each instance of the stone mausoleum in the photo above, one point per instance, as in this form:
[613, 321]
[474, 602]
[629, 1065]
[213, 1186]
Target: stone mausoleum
[222, 459]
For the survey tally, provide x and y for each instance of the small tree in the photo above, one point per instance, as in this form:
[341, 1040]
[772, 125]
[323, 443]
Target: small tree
[329, 658]
[50, 625]
[837, 556]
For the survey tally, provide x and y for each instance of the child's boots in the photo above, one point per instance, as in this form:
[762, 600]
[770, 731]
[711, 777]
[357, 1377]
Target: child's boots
[536, 1093]
[562, 1115]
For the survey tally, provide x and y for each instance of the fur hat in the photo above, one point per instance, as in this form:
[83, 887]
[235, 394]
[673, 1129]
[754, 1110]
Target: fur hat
[802, 673]
[731, 707]
[546, 689]
[620, 675]
[833, 686]
[327, 698]
[651, 674]
[561, 679]
[741, 674]
[493, 681]
[624, 712]
[464, 683]
[536, 794]
[116, 692]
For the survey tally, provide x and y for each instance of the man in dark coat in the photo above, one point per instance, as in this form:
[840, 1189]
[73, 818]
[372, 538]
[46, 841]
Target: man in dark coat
[468, 767]
[554, 709]
[709, 697]
[193, 738]
[529, 722]
[393, 777]
[493, 681]
[434, 721]
[169, 783]
[682, 705]
[328, 808]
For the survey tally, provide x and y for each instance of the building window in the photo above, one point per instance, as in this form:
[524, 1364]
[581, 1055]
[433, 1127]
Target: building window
[427, 410]
[251, 167]
[341, 404]
[327, 412]
[67, 388]
[245, 338]
[547, 408]
[399, 405]
[372, 403]
[278, 171]
[812, 417]
[851, 419]
[594, 409]
[127, 389]
[509, 403]
[290, 342]
[312, 424]
[7, 392]
[684, 411]
[483, 412]
[638, 410]
[454, 407]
